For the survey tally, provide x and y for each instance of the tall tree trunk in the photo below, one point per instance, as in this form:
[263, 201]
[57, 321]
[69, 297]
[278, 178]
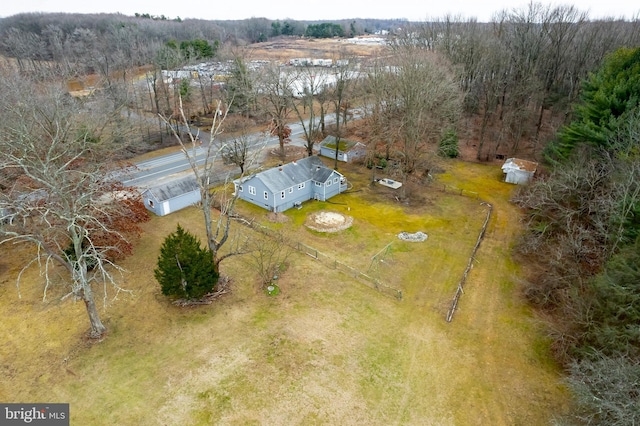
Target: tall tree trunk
[97, 328]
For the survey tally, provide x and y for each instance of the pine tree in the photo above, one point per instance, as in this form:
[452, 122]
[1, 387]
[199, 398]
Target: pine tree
[185, 269]
[609, 96]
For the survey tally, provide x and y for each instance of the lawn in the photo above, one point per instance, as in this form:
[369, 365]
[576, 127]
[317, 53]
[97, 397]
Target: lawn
[327, 350]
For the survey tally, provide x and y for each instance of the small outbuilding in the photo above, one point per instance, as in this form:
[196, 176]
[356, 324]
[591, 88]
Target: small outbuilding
[347, 150]
[518, 171]
[172, 196]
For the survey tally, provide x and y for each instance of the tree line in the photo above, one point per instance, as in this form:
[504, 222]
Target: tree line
[583, 241]
[69, 38]
[522, 71]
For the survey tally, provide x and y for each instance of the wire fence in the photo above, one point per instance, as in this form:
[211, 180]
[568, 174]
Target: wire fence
[460, 289]
[455, 191]
[374, 283]
[364, 278]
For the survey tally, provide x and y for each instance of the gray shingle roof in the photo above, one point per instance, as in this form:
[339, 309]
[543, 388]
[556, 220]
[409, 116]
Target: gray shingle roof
[291, 174]
[174, 188]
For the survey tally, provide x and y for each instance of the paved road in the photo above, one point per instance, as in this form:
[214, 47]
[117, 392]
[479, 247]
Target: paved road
[149, 172]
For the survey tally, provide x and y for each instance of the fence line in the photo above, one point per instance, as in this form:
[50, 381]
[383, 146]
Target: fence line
[373, 282]
[337, 265]
[457, 191]
[460, 289]
[366, 279]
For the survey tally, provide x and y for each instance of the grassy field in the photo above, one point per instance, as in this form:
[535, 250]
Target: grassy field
[326, 350]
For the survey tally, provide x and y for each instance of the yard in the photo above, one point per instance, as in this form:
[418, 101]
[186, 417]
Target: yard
[327, 350]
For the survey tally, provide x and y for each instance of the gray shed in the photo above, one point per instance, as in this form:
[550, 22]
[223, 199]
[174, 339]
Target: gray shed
[171, 196]
[347, 150]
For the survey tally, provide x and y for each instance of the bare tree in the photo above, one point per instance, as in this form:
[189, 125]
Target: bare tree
[277, 87]
[312, 81]
[237, 149]
[268, 254]
[203, 158]
[55, 196]
[378, 99]
[426, 102]
[340, 92]
[606, 389]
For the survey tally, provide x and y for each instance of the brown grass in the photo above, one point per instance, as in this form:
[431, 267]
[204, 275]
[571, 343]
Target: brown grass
[327, 350]
[288, 48]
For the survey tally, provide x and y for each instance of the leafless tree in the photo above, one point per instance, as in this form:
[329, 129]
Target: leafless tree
[238, 149]
[55, 193]
[268, 254]
[606, 390]
[204, 158]
[313, 80]
[339, 97]
[277, 88]
[426, 101]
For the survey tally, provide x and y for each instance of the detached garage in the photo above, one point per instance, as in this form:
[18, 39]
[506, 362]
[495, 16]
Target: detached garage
[348, 151]
[171, 196]
[518, 171]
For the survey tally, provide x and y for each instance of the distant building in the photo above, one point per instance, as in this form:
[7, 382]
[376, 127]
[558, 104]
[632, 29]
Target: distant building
[518, 171]
[172, 196]
[280, 188]
[347, 151]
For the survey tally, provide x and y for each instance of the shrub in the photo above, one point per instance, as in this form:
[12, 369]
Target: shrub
[185, 270]
[448, 147]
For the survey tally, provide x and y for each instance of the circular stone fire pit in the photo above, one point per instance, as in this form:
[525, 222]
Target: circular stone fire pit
[328, 221]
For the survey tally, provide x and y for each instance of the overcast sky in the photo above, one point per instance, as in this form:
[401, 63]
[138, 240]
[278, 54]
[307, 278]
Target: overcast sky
[414, 10]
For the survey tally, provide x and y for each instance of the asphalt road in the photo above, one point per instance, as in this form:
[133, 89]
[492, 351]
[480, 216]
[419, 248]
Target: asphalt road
[150, 172]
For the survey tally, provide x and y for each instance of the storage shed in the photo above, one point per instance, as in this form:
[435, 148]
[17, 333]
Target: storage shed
[518, 171]
[347, 150]
[171, 196]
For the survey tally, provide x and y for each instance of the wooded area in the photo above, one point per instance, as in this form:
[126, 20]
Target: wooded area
[544, 83]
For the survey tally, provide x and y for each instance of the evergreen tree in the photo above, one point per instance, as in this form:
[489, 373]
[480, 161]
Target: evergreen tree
[448, 147]
[608, 98]
[614, 315]
[185, 269]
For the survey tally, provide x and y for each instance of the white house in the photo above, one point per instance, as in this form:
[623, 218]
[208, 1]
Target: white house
[518, 171]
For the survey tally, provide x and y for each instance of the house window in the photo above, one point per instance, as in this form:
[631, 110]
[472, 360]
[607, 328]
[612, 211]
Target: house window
[241, 188]
[282, 195]
[291, 190]
[335, 180]
[301, 185]
[266, 195]
[151, 204]
[252, 190]
[318, 184]
[329, 182]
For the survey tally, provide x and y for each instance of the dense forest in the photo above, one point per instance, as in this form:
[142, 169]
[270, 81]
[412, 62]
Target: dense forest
[544, 83]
